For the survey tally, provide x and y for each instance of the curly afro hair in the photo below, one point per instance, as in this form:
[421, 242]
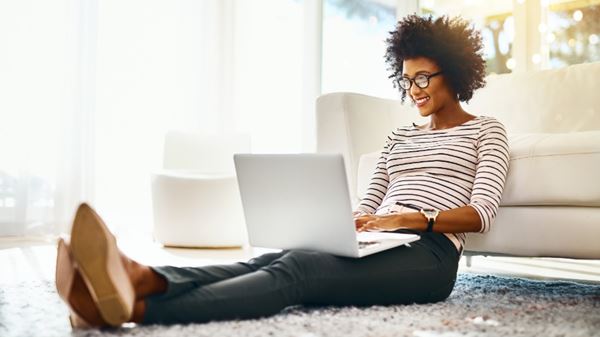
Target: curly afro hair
[449, 42]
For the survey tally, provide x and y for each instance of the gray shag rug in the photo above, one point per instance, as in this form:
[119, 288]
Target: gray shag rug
[479, 305]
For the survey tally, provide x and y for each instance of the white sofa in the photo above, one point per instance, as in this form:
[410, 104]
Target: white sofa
[551, 201]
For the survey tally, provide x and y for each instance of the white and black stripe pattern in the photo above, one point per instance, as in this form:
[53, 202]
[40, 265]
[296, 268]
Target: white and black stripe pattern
[442, 169]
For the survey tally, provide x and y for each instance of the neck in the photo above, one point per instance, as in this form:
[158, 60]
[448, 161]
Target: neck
[448, 117]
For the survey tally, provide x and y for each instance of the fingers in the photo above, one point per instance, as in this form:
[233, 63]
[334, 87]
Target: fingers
[372, 226]
[358, 224]
[362, 220]
[375, 223]
[368, 226]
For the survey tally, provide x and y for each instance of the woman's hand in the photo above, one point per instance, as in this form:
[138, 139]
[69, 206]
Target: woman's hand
[378, 223]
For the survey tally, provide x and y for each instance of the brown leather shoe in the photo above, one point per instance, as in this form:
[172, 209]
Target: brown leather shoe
[96, 255]
[73, 291]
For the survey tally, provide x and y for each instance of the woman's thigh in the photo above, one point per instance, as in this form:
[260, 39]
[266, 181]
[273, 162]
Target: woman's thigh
[422, 273]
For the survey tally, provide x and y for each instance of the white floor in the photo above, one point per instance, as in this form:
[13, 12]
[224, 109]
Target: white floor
[22, 260]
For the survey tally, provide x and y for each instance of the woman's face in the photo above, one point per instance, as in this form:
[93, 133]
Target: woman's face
[437, 95]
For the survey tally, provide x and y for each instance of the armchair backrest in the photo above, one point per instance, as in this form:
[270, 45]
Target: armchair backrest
[208, 154]
[354, 124]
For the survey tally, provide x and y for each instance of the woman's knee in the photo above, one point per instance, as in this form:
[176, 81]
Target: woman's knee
[300, 263]
[264, 259]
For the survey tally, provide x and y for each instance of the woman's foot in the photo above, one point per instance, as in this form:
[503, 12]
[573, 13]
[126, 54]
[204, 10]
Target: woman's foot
[145, 280]
[100, 265]
[78, 292]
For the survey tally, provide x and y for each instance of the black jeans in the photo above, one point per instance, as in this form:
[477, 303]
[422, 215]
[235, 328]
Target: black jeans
[422, 273]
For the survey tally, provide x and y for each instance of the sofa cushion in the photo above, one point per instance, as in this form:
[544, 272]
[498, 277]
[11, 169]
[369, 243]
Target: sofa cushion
[545, 169]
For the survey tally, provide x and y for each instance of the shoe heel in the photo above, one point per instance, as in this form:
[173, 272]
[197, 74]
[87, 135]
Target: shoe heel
[78, 322]
[95, 251]
[65, 270]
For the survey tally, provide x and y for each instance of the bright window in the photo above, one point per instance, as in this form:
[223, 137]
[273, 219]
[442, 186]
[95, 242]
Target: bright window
[493, 18]
[354, 34]
[573, 32]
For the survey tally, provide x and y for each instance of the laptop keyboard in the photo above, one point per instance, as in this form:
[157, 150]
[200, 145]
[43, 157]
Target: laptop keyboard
[367, 244]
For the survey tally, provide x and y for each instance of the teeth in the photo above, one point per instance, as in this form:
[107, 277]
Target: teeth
[421, 100]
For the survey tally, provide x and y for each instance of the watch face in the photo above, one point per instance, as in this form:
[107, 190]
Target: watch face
[430, 212]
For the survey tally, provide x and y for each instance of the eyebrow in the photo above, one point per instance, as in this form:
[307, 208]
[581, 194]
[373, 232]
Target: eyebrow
[418, 72]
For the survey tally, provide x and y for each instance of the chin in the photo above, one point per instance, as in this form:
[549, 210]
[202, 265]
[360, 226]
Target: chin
[425, 113]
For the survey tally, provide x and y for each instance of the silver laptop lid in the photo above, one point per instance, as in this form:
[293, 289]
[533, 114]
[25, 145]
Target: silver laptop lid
[296, 201]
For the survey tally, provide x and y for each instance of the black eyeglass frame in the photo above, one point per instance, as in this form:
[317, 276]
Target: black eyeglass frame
[413, 80]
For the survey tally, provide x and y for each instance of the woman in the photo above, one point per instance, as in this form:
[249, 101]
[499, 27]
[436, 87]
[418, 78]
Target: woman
[440, 180]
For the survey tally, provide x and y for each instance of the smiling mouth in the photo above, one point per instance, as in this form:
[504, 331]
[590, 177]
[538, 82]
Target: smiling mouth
[419, 102]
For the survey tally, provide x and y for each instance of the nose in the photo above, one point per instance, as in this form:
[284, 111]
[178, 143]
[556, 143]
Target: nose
[414, 90]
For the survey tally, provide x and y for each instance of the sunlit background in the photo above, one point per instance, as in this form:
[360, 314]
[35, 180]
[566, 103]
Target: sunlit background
[88, 89]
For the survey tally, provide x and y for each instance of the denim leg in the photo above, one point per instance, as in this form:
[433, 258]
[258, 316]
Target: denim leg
[263, 292]
[423, 273]
[182, 279]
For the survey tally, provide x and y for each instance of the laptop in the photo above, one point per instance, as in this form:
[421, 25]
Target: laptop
[302, 201]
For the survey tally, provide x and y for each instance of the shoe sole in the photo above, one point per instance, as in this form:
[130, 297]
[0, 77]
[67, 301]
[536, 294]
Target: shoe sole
[95, 250]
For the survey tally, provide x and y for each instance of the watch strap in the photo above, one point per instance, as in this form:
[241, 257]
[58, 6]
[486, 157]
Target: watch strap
[430, 225]
[431, 217]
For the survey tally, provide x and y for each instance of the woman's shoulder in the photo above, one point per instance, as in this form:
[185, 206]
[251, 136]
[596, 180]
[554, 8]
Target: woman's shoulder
[489, 119]
[400, 131]
[492, 129]
[396, 135]
[488, 122]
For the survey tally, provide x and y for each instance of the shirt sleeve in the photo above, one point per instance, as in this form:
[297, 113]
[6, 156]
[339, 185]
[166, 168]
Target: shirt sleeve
[378, 185]
[491, 171]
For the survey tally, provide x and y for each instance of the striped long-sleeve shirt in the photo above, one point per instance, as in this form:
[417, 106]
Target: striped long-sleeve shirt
[465, 165]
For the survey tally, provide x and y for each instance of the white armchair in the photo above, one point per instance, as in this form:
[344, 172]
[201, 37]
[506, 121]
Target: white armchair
[196, 200]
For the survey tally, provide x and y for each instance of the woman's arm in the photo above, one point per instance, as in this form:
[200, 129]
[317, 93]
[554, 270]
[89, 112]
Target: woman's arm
[378, 185]
[492, 168]
[479, 214]
[457, 220]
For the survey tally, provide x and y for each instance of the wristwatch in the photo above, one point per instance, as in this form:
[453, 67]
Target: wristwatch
[431, 214]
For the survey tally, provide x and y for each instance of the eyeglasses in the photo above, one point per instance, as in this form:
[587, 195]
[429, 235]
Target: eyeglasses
[421, 81]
